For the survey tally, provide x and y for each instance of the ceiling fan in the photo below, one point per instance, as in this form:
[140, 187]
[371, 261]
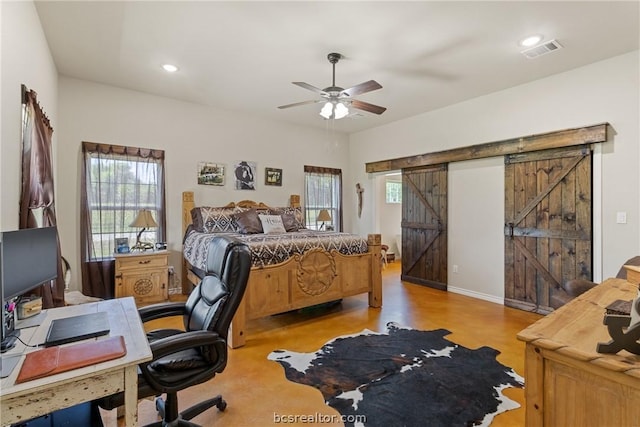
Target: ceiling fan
[338, 100]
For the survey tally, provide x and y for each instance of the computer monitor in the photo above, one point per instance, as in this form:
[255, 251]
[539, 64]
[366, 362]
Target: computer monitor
[28, 258]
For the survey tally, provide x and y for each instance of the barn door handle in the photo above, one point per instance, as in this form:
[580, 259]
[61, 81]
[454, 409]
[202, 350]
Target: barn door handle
[510, 230]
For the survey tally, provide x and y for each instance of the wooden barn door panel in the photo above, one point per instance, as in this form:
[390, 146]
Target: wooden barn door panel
[548, 225]
[424, 226]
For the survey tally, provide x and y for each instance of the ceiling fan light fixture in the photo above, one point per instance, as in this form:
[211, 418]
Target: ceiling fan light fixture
[327, 110]
[341, 111]
[334, 110]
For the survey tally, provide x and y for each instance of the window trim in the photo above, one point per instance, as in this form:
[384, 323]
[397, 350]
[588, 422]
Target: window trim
[90, 150]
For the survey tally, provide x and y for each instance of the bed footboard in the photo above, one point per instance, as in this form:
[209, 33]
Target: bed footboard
[304, 280]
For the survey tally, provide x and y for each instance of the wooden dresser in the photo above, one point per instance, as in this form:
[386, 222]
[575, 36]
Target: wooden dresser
[567, 382]
[143, 275]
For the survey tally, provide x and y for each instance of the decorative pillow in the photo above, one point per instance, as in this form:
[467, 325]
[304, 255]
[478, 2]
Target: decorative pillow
[272, 224]
[207, 219]
[247, 222]
[289, 221]
[296, 212]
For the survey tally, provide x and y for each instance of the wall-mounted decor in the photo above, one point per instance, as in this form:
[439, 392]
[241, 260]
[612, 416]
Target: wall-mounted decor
[359, 191]
[210, 173]
[273, 176]
[245, 173]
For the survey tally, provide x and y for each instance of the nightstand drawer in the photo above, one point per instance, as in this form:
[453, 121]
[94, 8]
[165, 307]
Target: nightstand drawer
[141, 261]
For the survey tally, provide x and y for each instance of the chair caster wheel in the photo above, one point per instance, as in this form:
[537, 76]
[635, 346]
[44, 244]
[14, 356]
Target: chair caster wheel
[222, 405]
[160, 407]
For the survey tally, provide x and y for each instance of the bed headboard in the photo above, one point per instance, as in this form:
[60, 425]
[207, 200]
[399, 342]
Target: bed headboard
[188, 203]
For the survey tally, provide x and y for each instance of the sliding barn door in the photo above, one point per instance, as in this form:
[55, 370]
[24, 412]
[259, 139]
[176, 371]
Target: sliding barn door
[548, 237]
[424, 226]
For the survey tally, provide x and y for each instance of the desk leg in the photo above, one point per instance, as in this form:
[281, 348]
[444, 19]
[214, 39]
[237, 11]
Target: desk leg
[131, 395]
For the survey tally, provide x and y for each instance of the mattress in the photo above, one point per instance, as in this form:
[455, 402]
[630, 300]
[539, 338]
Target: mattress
[271, 249]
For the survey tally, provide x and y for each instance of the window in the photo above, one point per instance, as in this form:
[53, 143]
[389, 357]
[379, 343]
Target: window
[119, 181]
[393, 192]
[323, 190]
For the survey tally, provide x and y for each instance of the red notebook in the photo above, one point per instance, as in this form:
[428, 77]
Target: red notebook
[54, 360]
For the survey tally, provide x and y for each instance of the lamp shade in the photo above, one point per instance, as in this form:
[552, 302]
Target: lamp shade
[144, 219]
[324, 216]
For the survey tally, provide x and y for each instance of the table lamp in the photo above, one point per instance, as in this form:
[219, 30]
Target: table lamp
[324, 217]
[144, 220]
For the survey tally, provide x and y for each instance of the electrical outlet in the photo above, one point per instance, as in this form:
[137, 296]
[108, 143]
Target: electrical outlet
[621, 217]
[455, 268]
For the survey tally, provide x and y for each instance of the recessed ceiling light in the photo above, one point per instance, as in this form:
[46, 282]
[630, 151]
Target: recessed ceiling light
[170, 68]
[531, 40]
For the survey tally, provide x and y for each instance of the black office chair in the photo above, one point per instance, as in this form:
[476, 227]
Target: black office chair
[182, 359]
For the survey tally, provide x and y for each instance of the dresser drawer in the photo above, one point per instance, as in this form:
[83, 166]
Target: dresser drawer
[141, 261]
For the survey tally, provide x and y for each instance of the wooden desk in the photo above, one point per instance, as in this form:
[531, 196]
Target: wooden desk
[20, 402]
[568, 383]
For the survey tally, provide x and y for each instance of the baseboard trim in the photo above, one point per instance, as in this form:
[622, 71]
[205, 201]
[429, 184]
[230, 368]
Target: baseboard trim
[473, 294]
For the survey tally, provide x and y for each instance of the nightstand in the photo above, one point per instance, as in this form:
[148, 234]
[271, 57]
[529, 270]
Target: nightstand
[143, 275]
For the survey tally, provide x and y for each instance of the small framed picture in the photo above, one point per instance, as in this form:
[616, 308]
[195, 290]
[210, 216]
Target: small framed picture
[273, 176]
[122, 245]
[210, 173]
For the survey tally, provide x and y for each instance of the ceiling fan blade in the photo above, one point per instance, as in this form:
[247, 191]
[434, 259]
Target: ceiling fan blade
[296, 104]
[361, 88]
[310, 87]
[361, 105]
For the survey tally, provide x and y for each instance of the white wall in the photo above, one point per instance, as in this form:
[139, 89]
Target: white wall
[189, 133]
[24, 59]
[607, 91]
[476, 219]
[389, 215]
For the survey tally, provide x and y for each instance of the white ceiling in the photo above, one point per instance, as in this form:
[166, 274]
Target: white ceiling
[243, 56]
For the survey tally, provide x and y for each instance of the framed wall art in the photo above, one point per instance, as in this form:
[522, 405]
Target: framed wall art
[273, 176]
[245, 173]
[210, 173]
[122, 245]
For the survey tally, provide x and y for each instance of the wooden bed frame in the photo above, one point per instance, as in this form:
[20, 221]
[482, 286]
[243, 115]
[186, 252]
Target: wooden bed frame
[304, 280]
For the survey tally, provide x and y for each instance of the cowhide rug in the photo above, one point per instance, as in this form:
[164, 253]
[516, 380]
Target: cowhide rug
[405, 377]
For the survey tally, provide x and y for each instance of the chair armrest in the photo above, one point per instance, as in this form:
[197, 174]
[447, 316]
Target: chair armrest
[160, 310]
[183, 341]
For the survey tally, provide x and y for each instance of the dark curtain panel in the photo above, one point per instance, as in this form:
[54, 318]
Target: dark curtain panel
[116, 182]
[37, 207]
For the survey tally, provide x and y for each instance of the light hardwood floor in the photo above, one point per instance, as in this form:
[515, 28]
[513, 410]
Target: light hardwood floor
[256, 389]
